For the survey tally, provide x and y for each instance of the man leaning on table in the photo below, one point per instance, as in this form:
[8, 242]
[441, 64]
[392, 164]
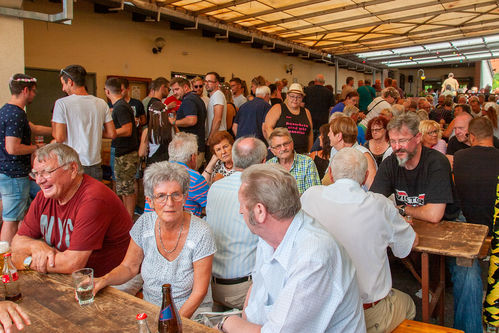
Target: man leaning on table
[303, 280]
[419, 177]
[365, 236]
[74, 222]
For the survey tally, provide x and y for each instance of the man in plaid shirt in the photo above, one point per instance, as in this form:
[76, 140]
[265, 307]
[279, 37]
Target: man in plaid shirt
[300, 166]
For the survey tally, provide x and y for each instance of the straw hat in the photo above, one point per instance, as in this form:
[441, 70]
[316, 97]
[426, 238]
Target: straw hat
[296, 88]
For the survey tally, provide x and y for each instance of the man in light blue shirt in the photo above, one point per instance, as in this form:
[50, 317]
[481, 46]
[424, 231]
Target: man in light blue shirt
[235, 258]
[303, 280]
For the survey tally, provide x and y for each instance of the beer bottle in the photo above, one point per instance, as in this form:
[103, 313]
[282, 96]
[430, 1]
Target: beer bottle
[10, 279]
[169, 319]
[142, 323]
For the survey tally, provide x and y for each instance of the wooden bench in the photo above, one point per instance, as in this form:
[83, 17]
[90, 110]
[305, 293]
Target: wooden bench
[411, 326]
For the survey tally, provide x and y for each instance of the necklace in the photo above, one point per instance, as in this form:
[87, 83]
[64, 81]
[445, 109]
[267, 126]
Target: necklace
[178, 238]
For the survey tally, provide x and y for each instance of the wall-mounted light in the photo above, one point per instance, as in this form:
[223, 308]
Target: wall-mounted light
[422, 76]
[159, 43]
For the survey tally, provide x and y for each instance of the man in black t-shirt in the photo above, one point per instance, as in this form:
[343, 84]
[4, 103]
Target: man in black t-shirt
[461, 138]
[191, 115]
[475, 173]
[419, 177]
[126, 145]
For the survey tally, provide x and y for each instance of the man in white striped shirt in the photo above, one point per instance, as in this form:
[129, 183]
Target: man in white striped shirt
[236, 245]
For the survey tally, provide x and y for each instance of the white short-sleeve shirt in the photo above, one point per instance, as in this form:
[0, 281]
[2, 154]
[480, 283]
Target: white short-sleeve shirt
[84, 117]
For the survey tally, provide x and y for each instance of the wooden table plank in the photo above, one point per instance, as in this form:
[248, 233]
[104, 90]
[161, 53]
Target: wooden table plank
[50, 303]
[447, 238]
[451, 239]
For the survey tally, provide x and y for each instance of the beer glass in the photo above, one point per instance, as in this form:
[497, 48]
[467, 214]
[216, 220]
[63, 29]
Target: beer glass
[84, 285]
[4, 248]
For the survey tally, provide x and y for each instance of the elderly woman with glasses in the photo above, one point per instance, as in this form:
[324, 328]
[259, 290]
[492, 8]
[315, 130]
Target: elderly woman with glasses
[168, 245]
[432, 135]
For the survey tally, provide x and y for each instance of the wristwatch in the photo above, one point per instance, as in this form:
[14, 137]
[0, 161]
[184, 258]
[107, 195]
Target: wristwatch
[220, 325]
[402, 210]
[27, 262]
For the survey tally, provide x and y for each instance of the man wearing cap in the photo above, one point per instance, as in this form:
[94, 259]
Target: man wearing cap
[294, 117]
[452, 82]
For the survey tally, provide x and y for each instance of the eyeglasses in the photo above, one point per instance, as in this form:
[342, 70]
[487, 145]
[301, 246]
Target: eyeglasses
[45, 173]
[435, 132]
[63, 72]
[401, 142]
[282, 145]
[295, 96]
[163, 197]
[377, 129]
[198, 86]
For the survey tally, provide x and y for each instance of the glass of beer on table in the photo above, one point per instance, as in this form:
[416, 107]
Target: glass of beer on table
[84, 284]
[4, 248]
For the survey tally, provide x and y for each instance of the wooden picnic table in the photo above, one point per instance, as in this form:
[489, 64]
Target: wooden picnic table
[462, 241]
[49, 300]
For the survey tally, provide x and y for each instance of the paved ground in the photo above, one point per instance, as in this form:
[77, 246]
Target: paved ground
[404, 281]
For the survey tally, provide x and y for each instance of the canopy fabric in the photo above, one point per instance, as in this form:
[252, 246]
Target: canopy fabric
[350, 26]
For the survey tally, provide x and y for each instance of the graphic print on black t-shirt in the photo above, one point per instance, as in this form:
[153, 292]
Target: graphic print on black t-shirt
[401, 195]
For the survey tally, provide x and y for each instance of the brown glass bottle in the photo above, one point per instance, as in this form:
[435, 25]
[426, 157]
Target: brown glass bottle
[169, 319]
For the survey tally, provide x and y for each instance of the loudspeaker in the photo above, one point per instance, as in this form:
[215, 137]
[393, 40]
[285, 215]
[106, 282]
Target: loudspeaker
[410, 78]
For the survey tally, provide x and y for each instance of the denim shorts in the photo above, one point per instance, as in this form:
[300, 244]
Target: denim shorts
[15, 196]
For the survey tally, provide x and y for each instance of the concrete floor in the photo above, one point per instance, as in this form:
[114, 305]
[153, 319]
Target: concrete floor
[404, 281]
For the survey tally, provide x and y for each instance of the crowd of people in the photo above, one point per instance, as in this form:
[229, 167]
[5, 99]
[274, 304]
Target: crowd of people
[269, 200]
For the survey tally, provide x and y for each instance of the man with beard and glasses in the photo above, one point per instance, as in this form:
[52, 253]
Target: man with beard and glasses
[419, 177]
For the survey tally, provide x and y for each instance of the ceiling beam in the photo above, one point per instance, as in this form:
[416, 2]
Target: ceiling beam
[324, 12]
[222, 6]
[421, 32]
[367, 15]
[396, 20]
[274, 10]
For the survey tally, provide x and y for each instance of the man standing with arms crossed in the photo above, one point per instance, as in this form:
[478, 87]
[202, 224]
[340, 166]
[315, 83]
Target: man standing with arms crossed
[78, 120]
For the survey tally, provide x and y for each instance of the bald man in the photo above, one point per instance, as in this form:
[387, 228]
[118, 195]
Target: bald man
[461, 139]
[318, 99]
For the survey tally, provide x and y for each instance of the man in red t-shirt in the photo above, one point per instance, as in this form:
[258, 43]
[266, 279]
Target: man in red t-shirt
[75, 222]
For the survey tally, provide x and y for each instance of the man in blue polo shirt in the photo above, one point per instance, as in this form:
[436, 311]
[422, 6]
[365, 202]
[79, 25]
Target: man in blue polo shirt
[15, 152]
[183, 150]
[251, 115]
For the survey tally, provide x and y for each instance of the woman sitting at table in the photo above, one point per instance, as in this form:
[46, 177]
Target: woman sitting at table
[168, 245]
[377, 138]
[432, 135]
[221, 164]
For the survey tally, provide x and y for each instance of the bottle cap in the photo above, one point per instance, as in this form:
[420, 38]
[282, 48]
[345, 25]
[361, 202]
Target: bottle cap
[141, 316]
[8, 254]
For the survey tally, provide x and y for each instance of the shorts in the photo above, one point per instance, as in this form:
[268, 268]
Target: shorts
[125, 168]
[94, 171]
[15, 196]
